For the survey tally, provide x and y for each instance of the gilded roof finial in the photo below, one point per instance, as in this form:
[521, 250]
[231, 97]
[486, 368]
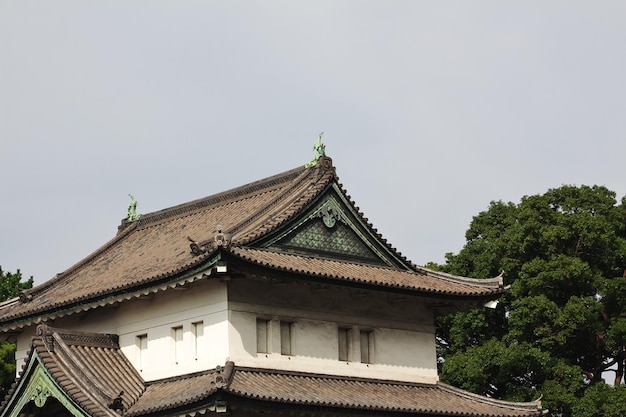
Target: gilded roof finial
[320, 151]
[132, 214]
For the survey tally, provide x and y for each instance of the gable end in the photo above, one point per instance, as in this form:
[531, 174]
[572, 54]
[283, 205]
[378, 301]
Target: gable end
[331, 228]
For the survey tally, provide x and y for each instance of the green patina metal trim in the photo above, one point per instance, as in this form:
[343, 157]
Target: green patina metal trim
[39, 388]
[334, 233]
[340, 241]
[332, 208]
[320, 151]
[132, 214]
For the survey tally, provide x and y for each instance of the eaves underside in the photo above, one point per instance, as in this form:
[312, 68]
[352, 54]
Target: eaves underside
[434, 298]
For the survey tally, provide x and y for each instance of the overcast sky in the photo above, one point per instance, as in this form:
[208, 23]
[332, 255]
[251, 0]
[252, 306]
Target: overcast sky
[431, 109]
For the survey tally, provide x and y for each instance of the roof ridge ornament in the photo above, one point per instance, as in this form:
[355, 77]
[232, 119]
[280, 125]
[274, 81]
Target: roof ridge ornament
[132, 214]
[224, 375]
[118, 403]
[220, 239]
[320, 151]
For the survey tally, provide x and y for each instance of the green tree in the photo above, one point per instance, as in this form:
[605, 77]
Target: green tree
[561, 328]
[10, 286]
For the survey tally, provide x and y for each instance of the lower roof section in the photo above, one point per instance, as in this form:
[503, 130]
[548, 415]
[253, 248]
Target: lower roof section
[227, 387]
[88, 375]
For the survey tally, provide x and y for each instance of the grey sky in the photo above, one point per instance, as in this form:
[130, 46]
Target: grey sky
[431, 109]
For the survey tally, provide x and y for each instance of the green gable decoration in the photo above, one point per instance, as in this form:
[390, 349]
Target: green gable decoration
[332, 228]
[40, 389]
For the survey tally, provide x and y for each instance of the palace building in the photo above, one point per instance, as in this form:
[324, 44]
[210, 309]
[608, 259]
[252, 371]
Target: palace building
[274, 298]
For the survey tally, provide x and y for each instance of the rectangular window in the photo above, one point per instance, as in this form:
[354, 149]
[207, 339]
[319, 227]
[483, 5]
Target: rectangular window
[262, 336]
[197, 333]
[142, 347]
[285, 338]
[343, 338]
[177, 343]
[367, 344]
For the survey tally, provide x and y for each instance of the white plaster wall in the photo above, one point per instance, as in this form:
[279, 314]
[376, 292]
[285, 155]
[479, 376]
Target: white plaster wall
[404, 348]
[160, 359]
[403, 329]
[315, 339]
[241, 326]
[23, 345]
[155, 316]
[397, 354]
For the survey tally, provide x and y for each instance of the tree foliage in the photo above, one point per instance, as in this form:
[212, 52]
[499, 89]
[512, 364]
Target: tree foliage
[10, 286]
[561, 328]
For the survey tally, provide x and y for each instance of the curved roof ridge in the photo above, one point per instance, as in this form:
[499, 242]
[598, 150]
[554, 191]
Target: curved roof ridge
[495, 281]
[289, 200]
[220, 198]
[283, 199]
[529, 405]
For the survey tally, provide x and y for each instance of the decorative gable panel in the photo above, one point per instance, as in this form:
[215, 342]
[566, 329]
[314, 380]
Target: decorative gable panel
[332, 228]
[318, 236]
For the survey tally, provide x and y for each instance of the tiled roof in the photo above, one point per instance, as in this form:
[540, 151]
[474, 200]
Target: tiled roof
[438, 399]
[187, 391]
[422, 280]
[89, 367]
[155, 248]
[153, 252]
[299, 389]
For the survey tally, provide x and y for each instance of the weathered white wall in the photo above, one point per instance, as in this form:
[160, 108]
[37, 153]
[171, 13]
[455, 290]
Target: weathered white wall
[155, 316]
[403, 331]
[23, 345]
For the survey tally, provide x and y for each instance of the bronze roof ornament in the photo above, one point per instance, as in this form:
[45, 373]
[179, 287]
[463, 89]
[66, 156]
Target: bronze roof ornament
[117, 404]
[320, 151]
[132, 214]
